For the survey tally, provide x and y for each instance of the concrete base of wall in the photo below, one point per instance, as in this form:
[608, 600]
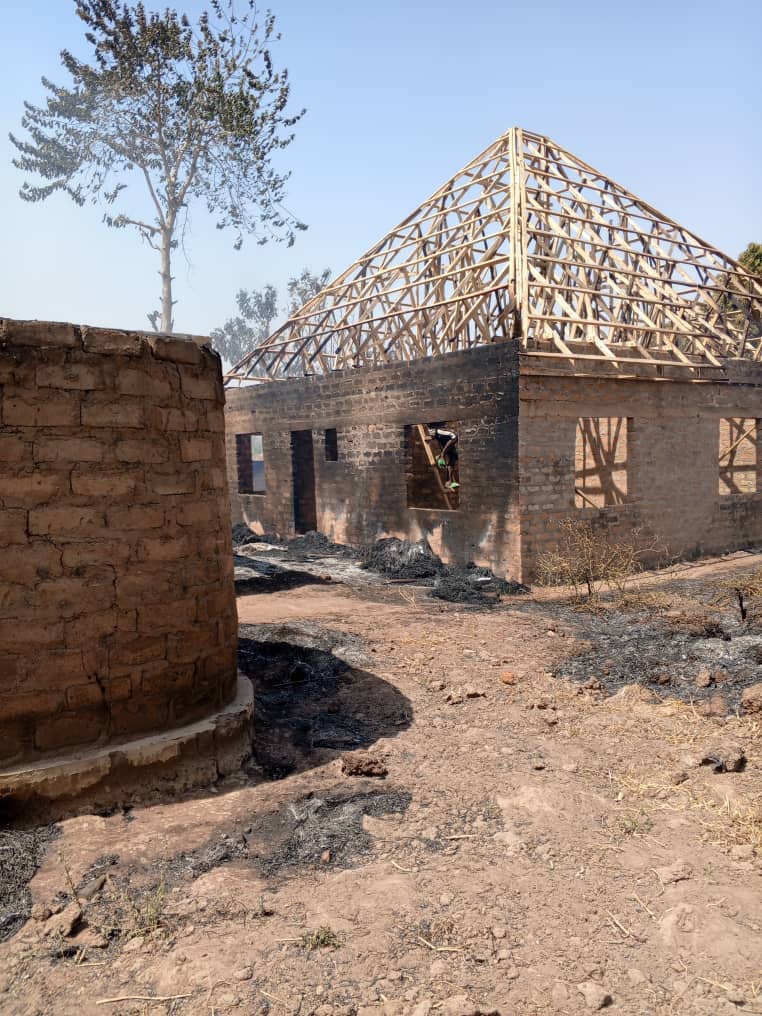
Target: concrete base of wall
[106, 777]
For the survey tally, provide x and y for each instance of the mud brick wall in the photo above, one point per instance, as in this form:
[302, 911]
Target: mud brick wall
[117, 609]
[362, 495]
[672, 462]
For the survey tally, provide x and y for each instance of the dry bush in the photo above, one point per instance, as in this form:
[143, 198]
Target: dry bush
[588, 559]
[743, 591]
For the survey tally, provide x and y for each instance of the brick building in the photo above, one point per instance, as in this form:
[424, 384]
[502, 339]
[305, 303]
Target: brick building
[594, 360]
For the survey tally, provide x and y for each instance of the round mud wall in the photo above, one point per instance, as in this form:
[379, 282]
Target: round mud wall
[117, 606]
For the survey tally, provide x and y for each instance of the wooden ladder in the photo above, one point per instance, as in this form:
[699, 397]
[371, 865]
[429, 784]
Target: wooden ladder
[423, 433]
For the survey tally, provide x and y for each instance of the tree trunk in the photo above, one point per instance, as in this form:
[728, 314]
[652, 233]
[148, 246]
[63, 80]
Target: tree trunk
[166, 280]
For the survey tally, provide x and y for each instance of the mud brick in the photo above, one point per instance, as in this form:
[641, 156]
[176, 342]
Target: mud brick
[116, 413]
[96, 552]
[136, 450]
[84, 696]
[197, 384]
[70, 521]
[138, 715]
[12, 528]
[30, 563]
[69, 449]
[41, 409]
[114, 483]
[165, 548]
[30, 489]
[72, 596]
[195, 449]
[80, 376]
[39, 334]
[14, 738]
[87, 628]
[176, 350]
[66, 730]
[168, 617]
[14, 448]
[136, 517]
[138, 651]
[172, 482]
[153, 386]
[112, 341]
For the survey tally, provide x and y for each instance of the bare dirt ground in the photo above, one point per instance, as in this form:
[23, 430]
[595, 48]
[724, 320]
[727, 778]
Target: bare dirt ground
[545, 838]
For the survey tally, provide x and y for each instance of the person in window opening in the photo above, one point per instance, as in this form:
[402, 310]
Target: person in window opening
[447, 454]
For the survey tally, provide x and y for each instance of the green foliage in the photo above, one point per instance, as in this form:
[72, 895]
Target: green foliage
[322, 938]
[258, 308]
[186, 113]
[751, 258]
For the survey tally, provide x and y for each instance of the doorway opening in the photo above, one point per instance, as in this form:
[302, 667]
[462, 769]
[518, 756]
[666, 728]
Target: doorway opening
[303, 468]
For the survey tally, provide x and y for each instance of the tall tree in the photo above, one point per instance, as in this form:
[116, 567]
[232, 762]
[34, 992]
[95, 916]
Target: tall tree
[189, 113]
[258, 308]
[751, 258]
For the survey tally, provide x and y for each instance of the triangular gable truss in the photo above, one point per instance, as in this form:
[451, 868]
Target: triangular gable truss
[526, 242]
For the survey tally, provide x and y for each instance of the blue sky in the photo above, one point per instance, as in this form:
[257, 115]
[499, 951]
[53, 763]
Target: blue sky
[663, 97]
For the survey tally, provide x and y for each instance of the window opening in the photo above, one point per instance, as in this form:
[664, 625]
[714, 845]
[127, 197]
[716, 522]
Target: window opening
[432, 467]
[738, 456]
[331, 445]
[600, 461]
[251, 464]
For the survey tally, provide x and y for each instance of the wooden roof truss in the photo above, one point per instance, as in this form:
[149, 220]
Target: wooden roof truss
[527, 242]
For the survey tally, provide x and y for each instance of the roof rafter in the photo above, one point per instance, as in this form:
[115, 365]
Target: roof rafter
[527, 242]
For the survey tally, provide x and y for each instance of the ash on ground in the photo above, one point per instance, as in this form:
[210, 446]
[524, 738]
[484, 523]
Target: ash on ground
[21, 853]
[710, 659]
[401, 560]
[310, 702]
[308, 544]
[329, 830]
[255, 576]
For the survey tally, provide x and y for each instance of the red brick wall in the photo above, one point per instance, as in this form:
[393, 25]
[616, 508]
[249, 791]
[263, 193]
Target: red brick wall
[362, 496]
[117, 608]
[673, 468]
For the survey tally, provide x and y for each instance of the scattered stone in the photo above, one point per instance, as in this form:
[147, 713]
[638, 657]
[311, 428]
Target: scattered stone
[458, 1005]
[511, 974]
[446, 899]
[454, 696]
[704, 678]
[538, 764]
[40, 912]
[724, 758]
[325, 857]
[472, 692]
[735, 995]
[499, 931]
[717, 705]
[437, 685]
[503, 955]
[133, 945]
[680, 871]
[678, 777]
[63, 924]
[559, 995]
[593, 684]
[91, 888]
[742, 852]
[243, 974]
[89, 938]
[595, 996]
[508, 677]
[751, 700]
[361, 763]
